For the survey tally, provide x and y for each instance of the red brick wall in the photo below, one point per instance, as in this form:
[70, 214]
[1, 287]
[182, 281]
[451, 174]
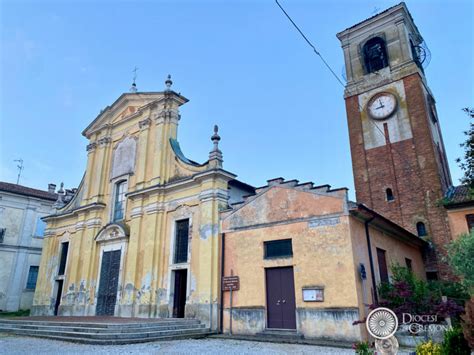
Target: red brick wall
[411, 168]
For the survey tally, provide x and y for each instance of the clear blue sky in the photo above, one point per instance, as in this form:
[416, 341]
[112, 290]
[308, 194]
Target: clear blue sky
[240, 64]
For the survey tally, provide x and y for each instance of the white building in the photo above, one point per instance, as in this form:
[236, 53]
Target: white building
[21, 240]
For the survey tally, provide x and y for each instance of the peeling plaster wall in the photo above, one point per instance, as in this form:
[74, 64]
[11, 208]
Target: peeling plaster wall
[158, 196]
[322, 255]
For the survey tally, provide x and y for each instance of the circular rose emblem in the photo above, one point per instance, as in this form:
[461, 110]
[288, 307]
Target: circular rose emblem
[382, 323]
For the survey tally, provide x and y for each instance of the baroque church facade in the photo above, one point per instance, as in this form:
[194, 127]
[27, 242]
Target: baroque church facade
[150, 233]
[141, 236]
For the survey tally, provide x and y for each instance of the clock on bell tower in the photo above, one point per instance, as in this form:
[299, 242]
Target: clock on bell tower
[398, 156]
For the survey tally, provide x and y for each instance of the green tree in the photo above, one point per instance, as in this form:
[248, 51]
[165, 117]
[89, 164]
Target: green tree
[461, 259]
[467, 163]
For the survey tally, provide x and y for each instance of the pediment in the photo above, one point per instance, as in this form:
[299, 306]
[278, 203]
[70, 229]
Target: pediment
[112, 232]
[127, 104]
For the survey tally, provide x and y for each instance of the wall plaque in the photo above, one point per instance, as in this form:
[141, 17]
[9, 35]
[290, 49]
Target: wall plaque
[230, 283]
[313, 294]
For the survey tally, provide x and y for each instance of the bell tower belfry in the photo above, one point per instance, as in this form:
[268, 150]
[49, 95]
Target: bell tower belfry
[398, 156]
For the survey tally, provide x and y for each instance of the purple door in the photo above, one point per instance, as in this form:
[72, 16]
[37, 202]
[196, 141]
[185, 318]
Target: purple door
[281, 298]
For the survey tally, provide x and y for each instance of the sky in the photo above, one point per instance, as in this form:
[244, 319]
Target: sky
[240, 63]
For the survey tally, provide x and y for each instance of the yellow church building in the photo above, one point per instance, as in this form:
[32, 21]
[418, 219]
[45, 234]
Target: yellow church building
[140, 237]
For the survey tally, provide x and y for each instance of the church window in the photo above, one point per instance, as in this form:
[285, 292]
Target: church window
[383, 269]
[389, 194]
[421, 229]
[119, 200]
[40, 227]
[375, 55]
[181, 241]
[408, 263]
[32, 278]
[63, 259]
[278, 249]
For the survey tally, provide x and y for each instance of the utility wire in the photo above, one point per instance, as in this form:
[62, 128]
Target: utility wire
[340, 82]
[309, 43]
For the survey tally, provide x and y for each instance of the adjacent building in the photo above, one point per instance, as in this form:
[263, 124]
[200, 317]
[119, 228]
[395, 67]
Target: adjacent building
[459, 204]
[309, 260]
[21, 240]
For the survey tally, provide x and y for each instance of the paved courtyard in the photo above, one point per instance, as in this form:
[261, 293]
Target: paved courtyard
[23, 345]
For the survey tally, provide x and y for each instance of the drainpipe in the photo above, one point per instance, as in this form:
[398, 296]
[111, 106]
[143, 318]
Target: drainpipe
[221, 325]
[371, 261]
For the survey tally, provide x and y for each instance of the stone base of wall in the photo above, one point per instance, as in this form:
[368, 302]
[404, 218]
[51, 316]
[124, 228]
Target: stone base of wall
[328, 323]
[311, 323]
[245, 320]
[42, 311]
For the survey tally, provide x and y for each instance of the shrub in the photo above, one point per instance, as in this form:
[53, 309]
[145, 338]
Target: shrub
[408, 294]
[454, 343]
[428, 348]
[363, 348]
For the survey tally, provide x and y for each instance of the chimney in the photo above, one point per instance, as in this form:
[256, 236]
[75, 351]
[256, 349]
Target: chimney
[51, 188]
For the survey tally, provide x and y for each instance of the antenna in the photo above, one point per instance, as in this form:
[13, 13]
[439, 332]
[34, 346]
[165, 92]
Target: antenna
[20, 169]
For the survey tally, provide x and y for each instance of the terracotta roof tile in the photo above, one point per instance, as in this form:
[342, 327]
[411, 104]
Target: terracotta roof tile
[27, 191]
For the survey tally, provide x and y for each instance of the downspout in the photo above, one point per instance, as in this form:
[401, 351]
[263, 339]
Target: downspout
[221, 322]
[371, 261]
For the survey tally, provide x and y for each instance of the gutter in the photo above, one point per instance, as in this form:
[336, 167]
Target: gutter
[221, 316]
[371, 261]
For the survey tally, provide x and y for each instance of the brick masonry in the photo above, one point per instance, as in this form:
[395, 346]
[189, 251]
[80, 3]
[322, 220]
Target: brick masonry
[411, 168]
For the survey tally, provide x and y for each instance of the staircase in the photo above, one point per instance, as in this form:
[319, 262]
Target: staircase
[106, 333]
[282, 335]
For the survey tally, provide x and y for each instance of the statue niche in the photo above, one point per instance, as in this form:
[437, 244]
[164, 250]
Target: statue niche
[124, 155]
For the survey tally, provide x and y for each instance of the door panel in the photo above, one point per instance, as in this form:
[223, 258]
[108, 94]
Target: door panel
[275, 318]
[108, 286]
[179, 299]
[59, 293]
[280, 298]
[288, 304]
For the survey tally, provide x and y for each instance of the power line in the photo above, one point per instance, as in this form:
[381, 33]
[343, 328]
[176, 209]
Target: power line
[310, 44]
[340, 82]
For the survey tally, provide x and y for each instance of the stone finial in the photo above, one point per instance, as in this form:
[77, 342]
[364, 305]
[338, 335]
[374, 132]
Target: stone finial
[168, 83]
[60, 200]
[215, 156]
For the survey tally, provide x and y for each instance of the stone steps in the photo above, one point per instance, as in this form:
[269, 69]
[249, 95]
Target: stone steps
[107, 333]
[280, 334]
[94, 328]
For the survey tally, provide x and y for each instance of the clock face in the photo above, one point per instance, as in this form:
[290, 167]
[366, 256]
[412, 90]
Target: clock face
[382, 106]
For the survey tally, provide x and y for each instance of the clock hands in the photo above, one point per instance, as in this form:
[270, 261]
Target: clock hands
[381, 105]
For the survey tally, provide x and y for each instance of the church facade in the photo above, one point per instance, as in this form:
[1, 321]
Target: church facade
[141, 236]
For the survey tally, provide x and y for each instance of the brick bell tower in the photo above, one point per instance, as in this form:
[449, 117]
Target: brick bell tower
[398, 156]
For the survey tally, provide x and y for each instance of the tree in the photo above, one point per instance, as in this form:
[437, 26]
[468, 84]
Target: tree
[467, 163]
[461, 259]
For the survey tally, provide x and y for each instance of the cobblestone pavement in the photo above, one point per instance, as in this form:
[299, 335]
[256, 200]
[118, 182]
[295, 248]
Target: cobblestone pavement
[23, 345]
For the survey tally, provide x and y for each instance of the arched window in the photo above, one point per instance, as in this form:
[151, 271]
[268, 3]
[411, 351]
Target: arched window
[421, 229]
[389, 194]
[375, 54]
[119, 200]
